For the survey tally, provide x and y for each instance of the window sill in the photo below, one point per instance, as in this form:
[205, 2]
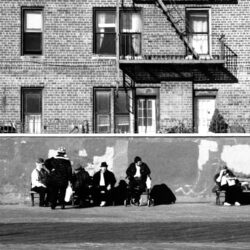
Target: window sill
[32, 57]
[97, 57]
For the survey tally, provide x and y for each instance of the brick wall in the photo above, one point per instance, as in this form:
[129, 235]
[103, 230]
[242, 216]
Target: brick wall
[68, 70]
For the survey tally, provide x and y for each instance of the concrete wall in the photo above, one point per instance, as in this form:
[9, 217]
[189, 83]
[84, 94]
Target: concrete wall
[186, 164]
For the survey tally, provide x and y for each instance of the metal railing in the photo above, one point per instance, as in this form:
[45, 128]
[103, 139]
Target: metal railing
[230, 58]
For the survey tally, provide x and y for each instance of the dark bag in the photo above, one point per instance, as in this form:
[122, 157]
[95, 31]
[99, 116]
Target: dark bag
[162, 194]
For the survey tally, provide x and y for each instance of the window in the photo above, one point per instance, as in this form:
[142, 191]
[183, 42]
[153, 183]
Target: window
[32, 30]
[105, 32]
[131, 28]
[198, 30]
[102, 111]
[32, 110]
[111, 107]
[121, 112]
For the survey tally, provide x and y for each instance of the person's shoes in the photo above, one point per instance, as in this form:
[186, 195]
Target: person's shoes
[227, 204]
[53, 207]
[135, 202]
[237, 203]
[103, 203]
[62, 206]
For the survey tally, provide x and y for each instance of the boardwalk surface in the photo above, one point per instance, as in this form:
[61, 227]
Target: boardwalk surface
[179, 226]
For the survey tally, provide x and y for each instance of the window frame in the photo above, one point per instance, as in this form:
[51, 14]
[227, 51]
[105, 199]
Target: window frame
[209, 26]
[96, 130]
[113, 9]
[116, 113]
[25, 91]
[24, 11]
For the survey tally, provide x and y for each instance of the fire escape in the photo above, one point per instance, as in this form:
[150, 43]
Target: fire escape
[190, 67]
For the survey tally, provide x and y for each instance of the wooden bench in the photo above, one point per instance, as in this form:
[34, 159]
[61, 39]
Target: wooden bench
[220, 197]
[34, 195]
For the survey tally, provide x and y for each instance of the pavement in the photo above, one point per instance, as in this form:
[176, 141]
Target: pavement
[177, 226]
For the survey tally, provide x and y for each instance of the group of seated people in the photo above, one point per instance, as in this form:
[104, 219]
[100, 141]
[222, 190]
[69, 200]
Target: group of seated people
[46, 180]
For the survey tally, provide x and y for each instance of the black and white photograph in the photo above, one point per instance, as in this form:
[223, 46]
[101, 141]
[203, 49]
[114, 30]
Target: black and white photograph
[124, 124]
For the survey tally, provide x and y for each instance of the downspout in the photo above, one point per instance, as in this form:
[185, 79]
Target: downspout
[117, 46]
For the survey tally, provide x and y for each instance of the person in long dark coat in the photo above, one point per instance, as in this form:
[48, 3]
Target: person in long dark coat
[104, 181]
[60, 176]
[81, 181]
[137, 174]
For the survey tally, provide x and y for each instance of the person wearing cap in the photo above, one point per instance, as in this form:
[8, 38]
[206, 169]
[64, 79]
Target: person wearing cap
[80, 183]
[60, 176]
[137, 174]
[39, 177]
[104, 181]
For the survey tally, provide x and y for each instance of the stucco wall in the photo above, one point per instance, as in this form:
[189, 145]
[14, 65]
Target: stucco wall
[186, 164]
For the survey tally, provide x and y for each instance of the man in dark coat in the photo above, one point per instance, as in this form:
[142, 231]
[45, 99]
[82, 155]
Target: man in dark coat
[137, 174]
[104, 181]
[81, 181]
[60, 176]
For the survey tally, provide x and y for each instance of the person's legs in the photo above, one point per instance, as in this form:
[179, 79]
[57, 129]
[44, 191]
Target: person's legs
[62, 191]
[235, 194]
[103, 195]
[53, 191]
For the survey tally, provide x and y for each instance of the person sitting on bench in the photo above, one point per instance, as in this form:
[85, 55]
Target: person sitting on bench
[39, 177]
[104, 182]
[231, 185]
[137, 174]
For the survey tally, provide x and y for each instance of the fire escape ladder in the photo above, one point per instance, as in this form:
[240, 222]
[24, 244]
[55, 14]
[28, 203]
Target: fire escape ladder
[171, 17]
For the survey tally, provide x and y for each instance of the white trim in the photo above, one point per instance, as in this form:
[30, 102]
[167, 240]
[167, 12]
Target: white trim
[129, 135]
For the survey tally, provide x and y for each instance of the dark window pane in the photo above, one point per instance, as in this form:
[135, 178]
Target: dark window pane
[32, 43]
[121, 103]
[105, 43]
[102, 102]
[32, 103]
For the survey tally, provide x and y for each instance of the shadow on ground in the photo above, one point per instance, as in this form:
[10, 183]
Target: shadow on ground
[50, 233]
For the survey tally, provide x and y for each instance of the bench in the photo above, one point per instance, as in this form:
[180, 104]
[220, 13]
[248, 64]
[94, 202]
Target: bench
[34, 195]
[220, 197]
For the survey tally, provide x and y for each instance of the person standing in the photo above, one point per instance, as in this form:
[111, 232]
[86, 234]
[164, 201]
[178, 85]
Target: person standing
[39, 177]
[60, 176]
[104, 181]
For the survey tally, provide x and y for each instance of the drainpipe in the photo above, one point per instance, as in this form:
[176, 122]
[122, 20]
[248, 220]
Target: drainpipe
[117, 46]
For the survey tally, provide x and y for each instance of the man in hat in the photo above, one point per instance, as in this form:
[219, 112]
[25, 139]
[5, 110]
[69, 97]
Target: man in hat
[137, 174]
[104, 181]
[60, 176]
[39, 177]
[81, 181]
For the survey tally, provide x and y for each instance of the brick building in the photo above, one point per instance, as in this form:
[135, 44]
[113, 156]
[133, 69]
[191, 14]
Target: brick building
[61, 70]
